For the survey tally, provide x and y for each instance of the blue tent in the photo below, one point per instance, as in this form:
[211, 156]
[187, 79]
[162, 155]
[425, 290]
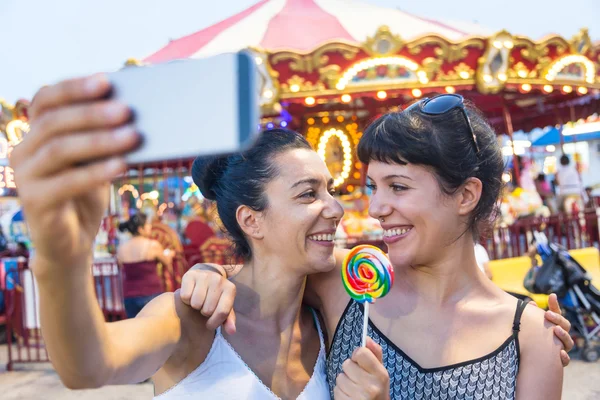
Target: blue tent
[553, 137]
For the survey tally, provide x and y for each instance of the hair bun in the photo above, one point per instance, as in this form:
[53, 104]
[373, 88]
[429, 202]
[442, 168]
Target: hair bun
[206, 173]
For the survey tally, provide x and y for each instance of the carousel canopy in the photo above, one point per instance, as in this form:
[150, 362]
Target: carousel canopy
[303, 25]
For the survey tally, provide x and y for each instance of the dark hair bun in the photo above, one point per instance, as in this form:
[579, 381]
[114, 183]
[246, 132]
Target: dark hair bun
[206, 173]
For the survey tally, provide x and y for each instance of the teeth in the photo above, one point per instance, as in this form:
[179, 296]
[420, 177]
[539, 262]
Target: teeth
[322, 238]
[395, 232]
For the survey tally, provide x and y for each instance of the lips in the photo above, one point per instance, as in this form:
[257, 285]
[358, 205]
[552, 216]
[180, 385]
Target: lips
[394, 234]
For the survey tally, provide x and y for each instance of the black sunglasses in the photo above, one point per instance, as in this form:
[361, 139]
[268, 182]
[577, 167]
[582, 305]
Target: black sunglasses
[442, 104]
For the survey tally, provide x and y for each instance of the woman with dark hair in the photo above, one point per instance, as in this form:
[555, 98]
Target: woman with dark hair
[139, 258]
[278, 351]
[446, 330]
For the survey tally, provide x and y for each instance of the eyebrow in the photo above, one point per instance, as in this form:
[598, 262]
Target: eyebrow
[310, 181]
[388, 177]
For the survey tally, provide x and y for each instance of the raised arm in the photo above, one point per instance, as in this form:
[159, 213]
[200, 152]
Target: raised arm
[73, 151]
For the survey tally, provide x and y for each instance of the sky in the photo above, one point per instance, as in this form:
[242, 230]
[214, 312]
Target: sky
[43, 41]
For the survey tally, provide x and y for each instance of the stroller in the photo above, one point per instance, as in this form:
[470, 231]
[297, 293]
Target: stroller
[579, 299]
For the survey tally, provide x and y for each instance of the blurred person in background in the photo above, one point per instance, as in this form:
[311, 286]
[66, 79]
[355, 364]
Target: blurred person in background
[570, 189]
[590, 203]
[545, 191]
[139, 258]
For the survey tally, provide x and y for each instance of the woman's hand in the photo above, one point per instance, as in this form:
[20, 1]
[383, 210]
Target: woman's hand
[364, 376]
[562, 328]
[205, 288]
[64, 166]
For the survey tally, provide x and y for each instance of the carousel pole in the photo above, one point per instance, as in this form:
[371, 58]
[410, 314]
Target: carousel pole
[509, 129]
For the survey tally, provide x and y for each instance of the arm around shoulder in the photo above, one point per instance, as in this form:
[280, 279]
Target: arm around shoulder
[540, 370]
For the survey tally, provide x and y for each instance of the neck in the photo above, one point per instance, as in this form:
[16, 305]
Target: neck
[269, 290]
[445, 280]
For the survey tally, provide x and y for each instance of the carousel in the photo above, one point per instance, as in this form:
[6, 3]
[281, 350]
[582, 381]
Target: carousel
[327, 69]
[350, 64]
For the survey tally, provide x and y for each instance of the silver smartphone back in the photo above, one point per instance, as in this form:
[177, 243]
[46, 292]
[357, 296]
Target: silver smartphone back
[190, 108]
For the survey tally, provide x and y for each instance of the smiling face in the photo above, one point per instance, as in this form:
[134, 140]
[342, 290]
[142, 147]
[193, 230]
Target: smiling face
[302, 215]
[419, 220]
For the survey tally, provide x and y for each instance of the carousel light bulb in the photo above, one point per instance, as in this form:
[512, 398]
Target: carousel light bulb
[508, 44]
[258, 60]
[502, 77]
[382, 94]
[567, 89]
[268, 94]
[325, 120]
[506, 177]
[417, 93]
[346, 98]
[310, 101]
[340, 86]
[295, 88]
[526, 87]
[487, 78]
[582, 90]
[548, 88]
[497, 44]
[550, 148]
[424, 80]
[522, 74]
[450, 89]
[340, 118]
[464, 74]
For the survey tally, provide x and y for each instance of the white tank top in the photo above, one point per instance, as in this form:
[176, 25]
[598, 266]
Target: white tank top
[224, 375]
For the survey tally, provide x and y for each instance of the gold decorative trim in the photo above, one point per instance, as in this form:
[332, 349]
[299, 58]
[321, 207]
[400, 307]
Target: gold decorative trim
[383, 43]
[445, 50]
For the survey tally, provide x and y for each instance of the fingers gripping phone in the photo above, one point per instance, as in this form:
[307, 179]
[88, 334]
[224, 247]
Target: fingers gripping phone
[189, 108]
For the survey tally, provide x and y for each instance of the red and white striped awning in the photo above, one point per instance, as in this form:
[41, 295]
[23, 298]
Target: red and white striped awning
[302, 25]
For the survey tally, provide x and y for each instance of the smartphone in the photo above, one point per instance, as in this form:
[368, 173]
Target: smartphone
[189, 108]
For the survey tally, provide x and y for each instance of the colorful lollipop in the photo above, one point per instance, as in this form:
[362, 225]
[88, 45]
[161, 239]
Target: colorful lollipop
[367, 274]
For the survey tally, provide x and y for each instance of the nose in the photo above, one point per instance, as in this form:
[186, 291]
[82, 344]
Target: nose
[378, 207]
[333, 209]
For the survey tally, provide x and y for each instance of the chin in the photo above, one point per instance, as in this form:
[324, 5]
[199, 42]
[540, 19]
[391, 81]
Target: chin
[323, 264]
[400, 259]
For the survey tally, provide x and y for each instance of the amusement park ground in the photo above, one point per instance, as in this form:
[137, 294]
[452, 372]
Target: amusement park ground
[40, 382]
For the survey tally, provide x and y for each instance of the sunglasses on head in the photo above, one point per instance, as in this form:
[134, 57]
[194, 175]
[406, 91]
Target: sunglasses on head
[442, 104]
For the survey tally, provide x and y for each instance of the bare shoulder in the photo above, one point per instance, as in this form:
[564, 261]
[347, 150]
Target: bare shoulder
[540, 369]
[178, 317]
[536, 332]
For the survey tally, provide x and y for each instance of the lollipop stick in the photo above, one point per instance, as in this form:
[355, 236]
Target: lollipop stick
[365, 323]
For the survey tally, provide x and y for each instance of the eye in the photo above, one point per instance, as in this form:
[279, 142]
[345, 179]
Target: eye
[371, 186]
[308, 195]
[398, 188]
[332, 191]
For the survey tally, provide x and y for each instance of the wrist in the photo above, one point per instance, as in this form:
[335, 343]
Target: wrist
[47, 271]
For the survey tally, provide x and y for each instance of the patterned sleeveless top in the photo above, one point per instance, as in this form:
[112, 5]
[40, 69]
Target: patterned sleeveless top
[493, 376]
